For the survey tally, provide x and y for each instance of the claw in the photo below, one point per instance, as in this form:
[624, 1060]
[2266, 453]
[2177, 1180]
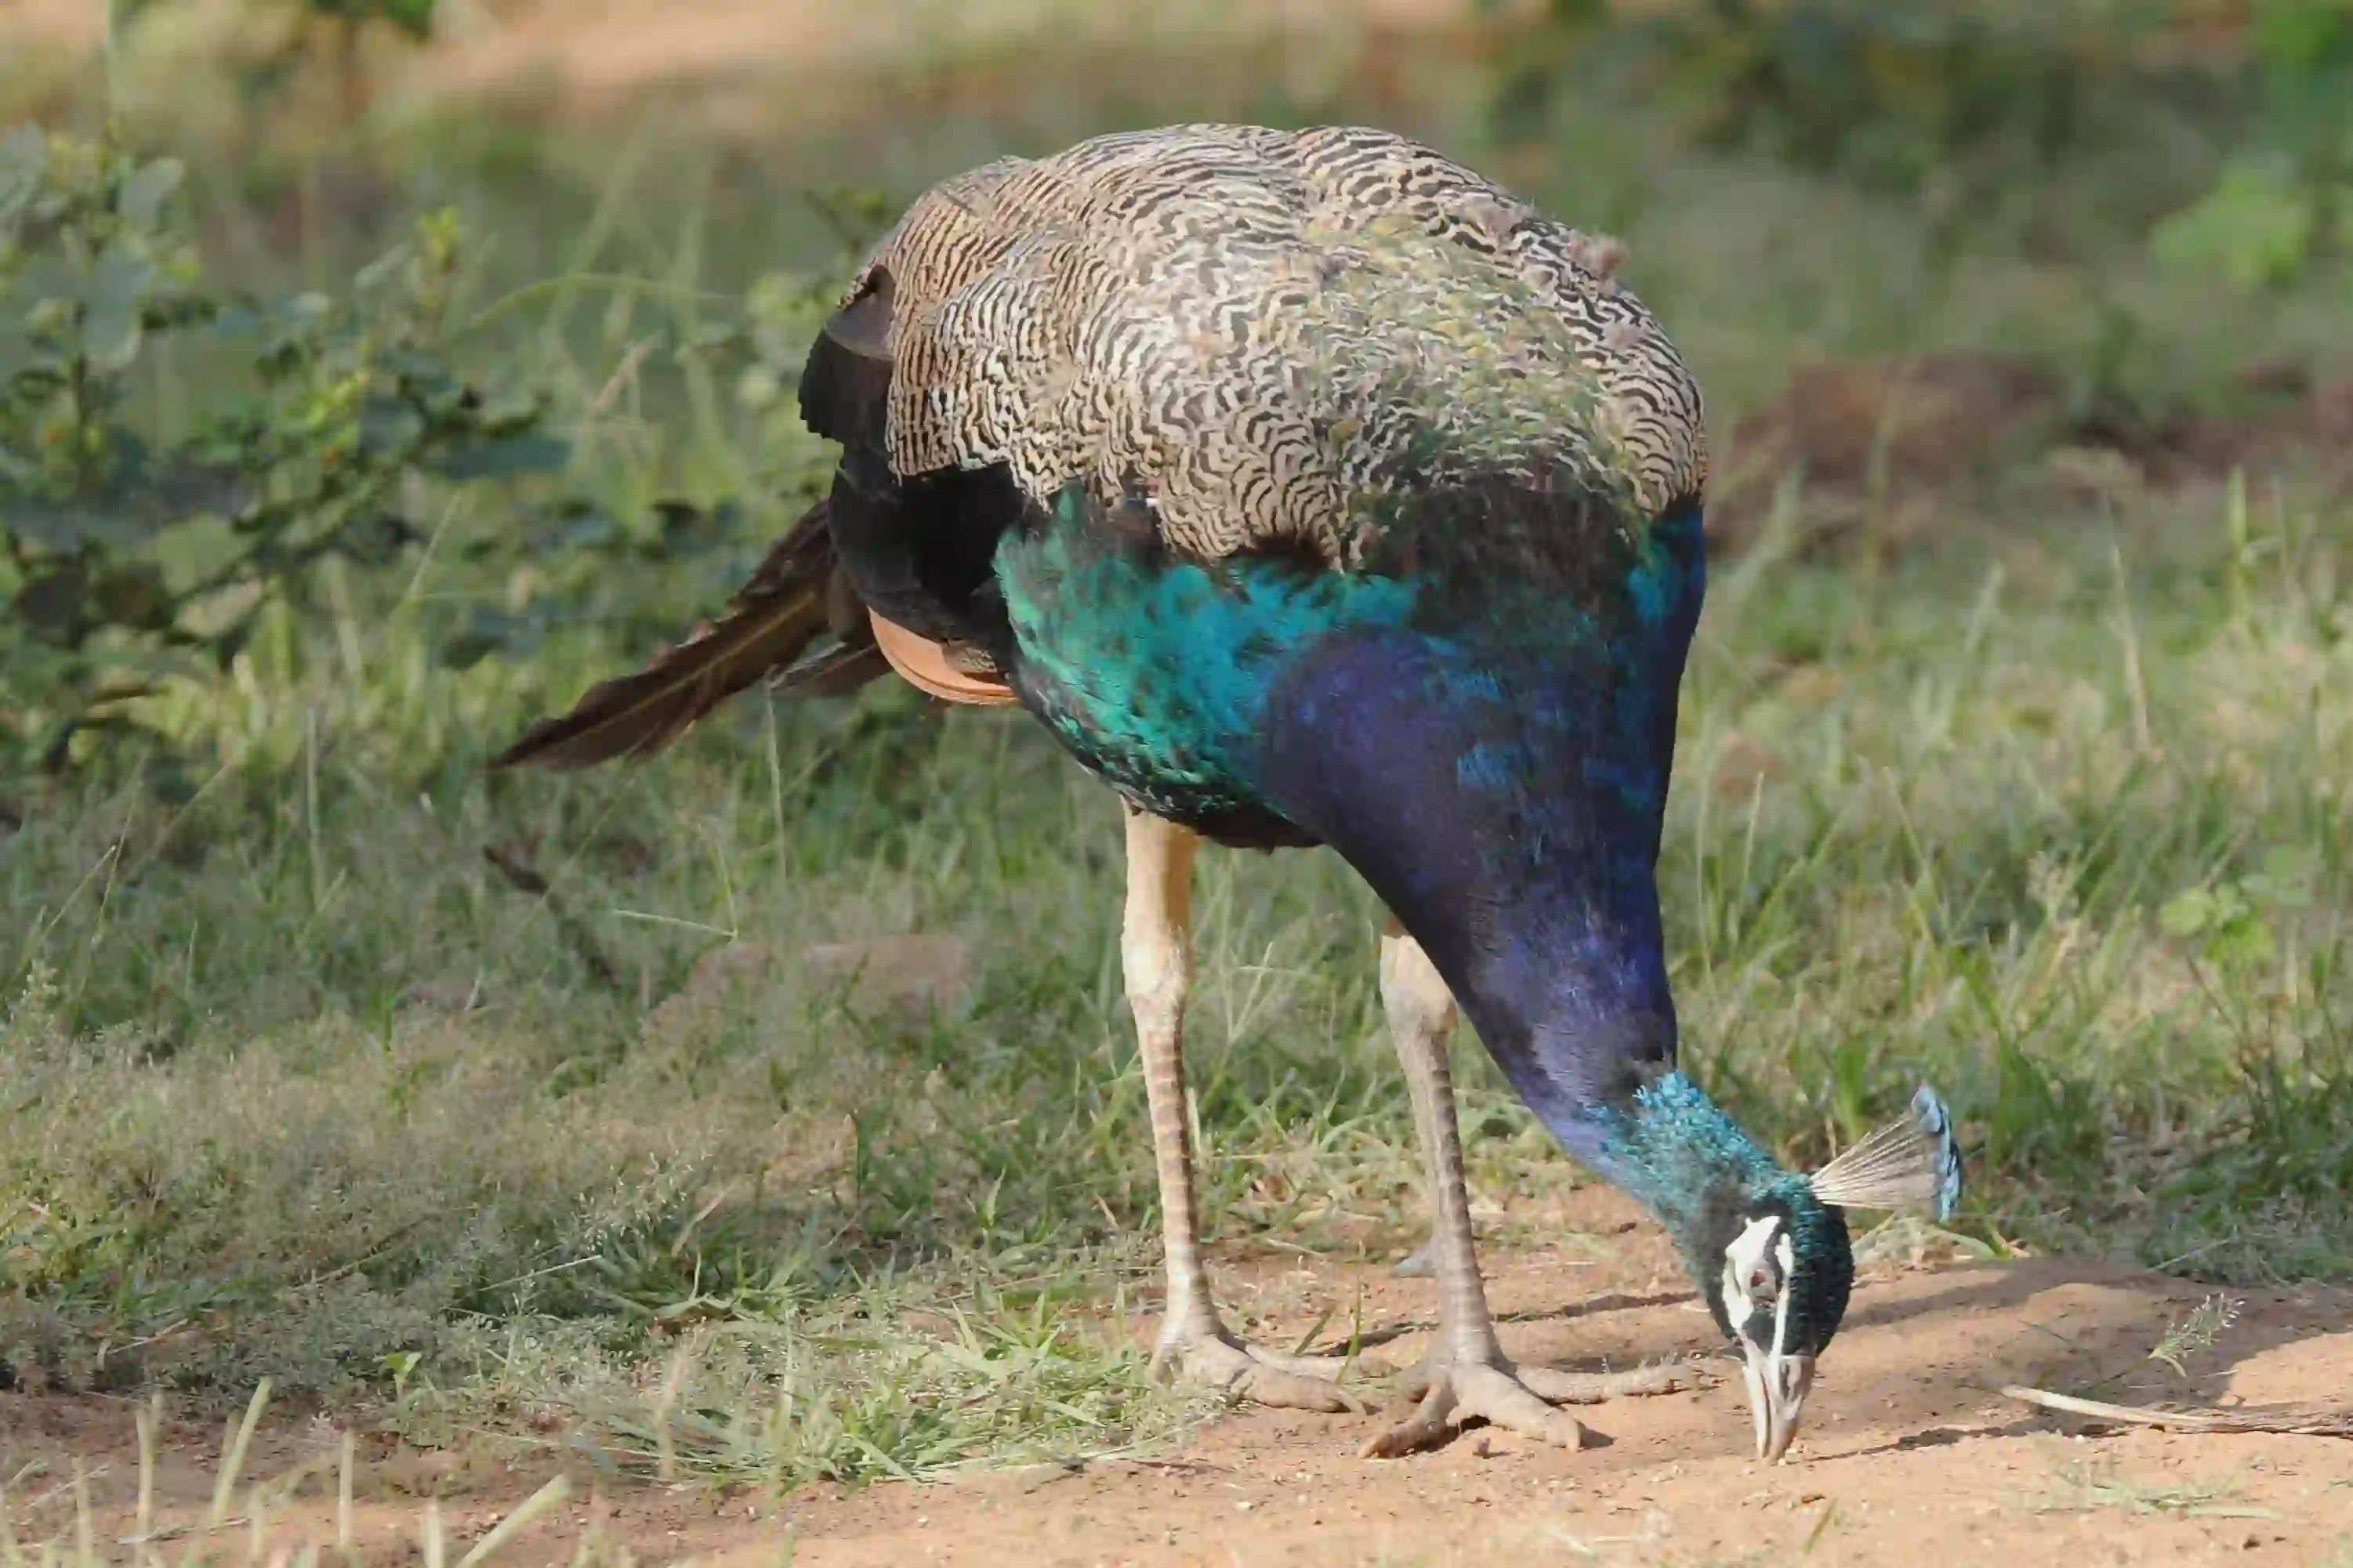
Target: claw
[1454, 1395]
[1279, 1382]
[1426, 1428]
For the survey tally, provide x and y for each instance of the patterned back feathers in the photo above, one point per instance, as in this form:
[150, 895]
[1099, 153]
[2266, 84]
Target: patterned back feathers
[1258, 330]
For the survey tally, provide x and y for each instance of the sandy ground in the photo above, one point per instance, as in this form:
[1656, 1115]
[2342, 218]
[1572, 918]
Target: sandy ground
[1908, 1455]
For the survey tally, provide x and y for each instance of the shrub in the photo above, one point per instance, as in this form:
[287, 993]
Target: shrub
[135, 548]
[2284, 201]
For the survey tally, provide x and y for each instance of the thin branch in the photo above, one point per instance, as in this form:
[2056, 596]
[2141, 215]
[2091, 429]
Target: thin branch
[2278, 1419]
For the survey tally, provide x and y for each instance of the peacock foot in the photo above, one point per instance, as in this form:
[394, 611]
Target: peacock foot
[1519, 1399]
[1213, 1357]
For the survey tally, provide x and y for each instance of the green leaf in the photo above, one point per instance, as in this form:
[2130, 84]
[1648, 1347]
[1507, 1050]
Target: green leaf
[2247, 944]
[414, 17]
[505, 458]
[290, 330]
[2188, 913]
[387, 424]
[2295, 38]
[2285, 879]
[140, 495]
[143, 196]
[2257, 227]
[111, 330]
[591, 530]
[507, 413]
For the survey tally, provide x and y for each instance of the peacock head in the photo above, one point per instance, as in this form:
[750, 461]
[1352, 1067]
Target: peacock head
[1782, 1266]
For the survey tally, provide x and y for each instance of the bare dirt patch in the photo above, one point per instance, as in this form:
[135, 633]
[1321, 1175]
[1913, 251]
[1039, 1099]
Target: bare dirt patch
[1906, 1444]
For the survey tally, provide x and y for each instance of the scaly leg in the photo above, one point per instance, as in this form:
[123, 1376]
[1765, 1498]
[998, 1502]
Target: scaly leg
[1465, 1373]
[1155, 946]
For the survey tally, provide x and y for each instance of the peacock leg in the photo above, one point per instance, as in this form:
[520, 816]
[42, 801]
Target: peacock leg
[1155, 947]
[1465, 1373]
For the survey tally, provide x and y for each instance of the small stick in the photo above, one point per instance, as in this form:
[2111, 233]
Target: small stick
[2287, 1423]
[149, 1420]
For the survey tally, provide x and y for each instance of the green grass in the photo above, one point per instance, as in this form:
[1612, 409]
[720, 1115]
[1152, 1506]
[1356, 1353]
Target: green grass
[294, 1084]
[1919, 833]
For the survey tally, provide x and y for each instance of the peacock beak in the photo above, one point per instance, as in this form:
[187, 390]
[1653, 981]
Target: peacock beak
[1777, 1386]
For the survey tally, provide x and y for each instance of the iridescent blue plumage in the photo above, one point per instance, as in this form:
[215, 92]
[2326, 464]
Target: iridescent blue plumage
[1481, 720]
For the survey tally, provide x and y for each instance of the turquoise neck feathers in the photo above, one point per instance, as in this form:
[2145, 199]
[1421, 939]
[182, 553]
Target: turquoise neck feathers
[1480, 719]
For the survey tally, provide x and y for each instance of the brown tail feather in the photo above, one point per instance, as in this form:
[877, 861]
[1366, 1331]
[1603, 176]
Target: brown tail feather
[793, 598]
[836, 672]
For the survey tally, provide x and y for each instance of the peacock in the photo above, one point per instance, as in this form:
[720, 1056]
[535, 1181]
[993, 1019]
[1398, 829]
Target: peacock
[1311, 488]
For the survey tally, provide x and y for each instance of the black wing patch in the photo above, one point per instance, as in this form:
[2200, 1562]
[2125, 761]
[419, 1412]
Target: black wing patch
[920, 548]
[846, 383]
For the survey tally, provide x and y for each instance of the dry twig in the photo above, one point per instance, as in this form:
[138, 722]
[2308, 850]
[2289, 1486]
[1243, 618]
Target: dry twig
[2281, 1419]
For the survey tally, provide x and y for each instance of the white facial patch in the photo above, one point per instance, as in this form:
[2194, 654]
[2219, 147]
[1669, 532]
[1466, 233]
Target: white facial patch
[1788, 1255]
[1754, 1268]
[1757, 1268]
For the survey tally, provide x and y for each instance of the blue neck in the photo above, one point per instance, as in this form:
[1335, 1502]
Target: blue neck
[1677, 1152]
[1481, 721]
[1504, 803]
